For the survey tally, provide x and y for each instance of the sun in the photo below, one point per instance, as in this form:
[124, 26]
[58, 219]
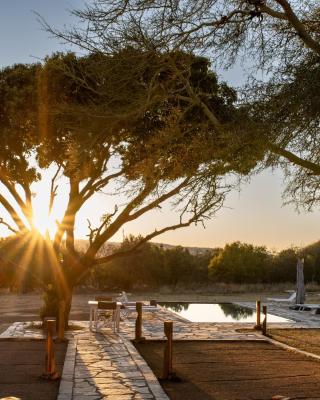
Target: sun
[44, 220]
[44, 223]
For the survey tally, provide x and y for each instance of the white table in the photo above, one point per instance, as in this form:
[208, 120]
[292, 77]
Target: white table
[144, 308]
[93, 304]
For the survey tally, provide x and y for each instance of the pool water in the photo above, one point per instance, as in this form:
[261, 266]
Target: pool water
[223, 312]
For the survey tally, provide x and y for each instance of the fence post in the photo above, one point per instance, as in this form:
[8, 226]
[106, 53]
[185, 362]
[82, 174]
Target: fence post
[138, 330]
[167, 359]
[50, 368]
[61, 327]
[264, 323]
[258, 312]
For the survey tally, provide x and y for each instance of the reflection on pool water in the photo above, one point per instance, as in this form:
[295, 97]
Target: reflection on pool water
[223, 312]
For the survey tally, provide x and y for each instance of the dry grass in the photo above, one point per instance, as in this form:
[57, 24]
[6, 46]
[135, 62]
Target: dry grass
[303, 339]
[227, 288]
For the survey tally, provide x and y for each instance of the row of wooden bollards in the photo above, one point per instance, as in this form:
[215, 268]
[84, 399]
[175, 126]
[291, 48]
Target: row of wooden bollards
[50, 372]
[167, 371]
[138, 327]
[261, 326]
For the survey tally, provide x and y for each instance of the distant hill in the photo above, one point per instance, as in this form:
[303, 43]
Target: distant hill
[192, 250]
[109, 247]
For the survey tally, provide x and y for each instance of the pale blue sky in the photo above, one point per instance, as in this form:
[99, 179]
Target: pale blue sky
[254, 215]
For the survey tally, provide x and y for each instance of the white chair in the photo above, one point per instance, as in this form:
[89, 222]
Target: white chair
[107, 314]
[129, 307]
[123, 298]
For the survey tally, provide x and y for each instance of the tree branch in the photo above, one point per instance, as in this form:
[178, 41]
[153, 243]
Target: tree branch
[159, 200]
[25, 207]
[13, 214]
[53, 190]
[195, 218]
[119, 221]
[299, 26]
[315, 168]
[94, 185]
[197, 100]
[273, 13]
[3, 222]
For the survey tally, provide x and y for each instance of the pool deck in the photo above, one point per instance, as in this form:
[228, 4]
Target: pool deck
[300, 319]
[107, 366]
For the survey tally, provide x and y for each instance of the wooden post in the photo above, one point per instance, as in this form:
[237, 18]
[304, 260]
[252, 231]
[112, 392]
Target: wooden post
[258, 311]
[50, 368]
[167, 359]
[138, 330]
[61, 328]
[264, 323]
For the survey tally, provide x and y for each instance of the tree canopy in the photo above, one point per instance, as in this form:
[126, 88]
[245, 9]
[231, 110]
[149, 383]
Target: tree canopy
[131, 123]
[280, 38]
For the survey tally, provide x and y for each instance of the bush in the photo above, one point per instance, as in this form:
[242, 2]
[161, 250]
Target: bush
[240, 263]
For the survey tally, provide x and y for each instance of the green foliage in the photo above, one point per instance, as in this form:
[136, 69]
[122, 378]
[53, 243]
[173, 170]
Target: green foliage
[239, 262]
[18, 111]
[245, 263]
[131, 119]
[152, 267]
[72, 109]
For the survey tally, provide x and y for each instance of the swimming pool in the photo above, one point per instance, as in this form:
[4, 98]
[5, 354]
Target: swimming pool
[222, 312]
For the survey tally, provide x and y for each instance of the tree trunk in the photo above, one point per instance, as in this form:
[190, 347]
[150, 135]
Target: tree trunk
[66, 298]
[58, 294]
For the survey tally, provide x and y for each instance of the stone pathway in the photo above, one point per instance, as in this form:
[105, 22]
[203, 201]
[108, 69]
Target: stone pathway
[107, 366]
[185, 330]
[106, 369]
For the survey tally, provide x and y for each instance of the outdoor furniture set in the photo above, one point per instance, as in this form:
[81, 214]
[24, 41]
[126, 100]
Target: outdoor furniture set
[106, 312]
[314, 308]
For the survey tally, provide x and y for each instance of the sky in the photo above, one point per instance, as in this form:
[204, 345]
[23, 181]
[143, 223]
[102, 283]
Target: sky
[254, 214]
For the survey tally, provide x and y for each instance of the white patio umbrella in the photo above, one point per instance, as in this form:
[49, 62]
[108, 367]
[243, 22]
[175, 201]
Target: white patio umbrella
[300, 297]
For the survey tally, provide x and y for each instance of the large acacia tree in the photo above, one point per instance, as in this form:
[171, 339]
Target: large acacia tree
[132, 121]
[278, 37]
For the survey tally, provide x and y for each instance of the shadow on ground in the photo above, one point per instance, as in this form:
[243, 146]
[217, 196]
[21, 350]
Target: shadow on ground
[22, 362]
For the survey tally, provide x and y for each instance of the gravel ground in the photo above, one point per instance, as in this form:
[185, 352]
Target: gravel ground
[22, 364]
[235, 371]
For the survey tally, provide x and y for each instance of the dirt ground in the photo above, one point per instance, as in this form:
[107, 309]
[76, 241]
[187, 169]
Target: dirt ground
[235, 371]
[21, 364]
[304, 339]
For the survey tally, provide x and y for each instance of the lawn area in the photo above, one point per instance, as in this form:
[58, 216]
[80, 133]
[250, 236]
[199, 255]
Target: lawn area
[303, 339]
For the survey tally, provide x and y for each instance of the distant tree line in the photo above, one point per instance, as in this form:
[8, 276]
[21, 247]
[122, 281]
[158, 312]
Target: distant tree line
[245, 263]
[238, 263]
[153, 266]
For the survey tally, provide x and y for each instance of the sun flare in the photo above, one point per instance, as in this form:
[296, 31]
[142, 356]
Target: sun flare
[43, 219]
[44, 224]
